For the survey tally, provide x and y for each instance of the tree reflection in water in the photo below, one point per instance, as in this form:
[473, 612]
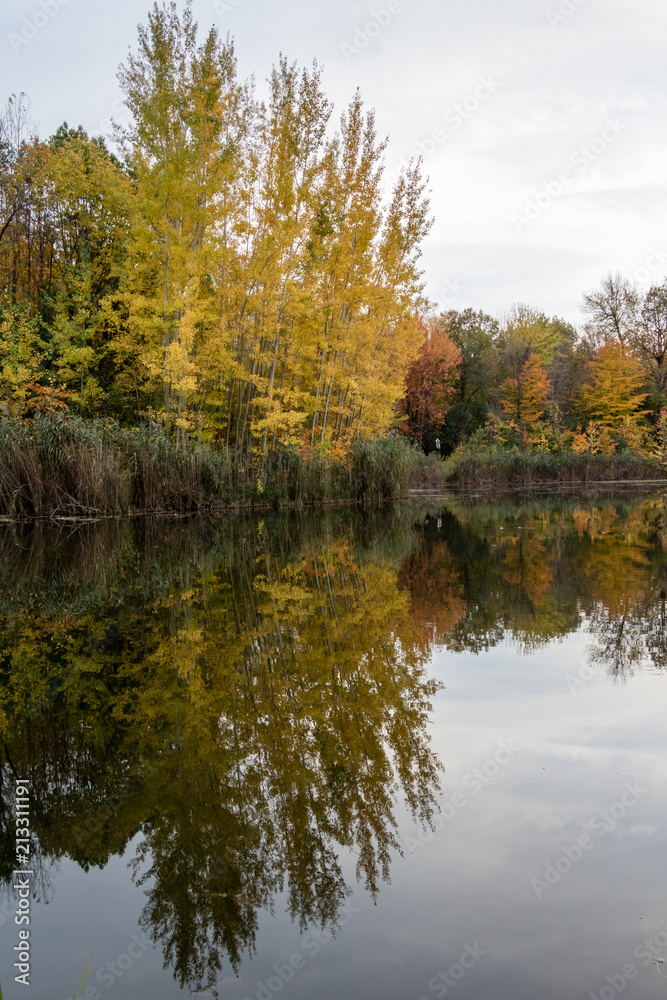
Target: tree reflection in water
[252, 697]
[537, 571]
[252, 702]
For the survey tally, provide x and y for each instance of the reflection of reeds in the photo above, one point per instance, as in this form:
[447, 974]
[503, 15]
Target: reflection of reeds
[60, 567]
[67, 568]
[82, 981]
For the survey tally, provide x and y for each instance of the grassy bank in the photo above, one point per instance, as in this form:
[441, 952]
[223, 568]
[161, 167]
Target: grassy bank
[70, 467]
[501, 468]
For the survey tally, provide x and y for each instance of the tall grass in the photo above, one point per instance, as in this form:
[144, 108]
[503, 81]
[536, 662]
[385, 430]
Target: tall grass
[59, 466]
[66, 466]
[502, 467]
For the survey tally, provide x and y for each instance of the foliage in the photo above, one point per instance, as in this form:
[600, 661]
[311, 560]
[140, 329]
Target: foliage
[430, 384]
[243, 278]
[524, 394]
[531, 384]
[613, 395]
[526, 328]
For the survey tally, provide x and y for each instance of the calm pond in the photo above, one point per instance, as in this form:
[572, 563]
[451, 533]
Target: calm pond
[396, 754]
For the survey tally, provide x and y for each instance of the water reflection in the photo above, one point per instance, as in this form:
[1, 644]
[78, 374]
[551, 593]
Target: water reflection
[538, 571]
[252, 697]
[252, 705]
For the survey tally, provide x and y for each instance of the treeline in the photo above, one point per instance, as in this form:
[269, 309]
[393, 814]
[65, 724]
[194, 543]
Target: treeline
[535, 383]
[239, 275]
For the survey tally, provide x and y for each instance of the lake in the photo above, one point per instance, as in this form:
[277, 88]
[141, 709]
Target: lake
[394, 754]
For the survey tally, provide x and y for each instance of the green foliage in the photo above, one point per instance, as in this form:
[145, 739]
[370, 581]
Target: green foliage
[528, 328]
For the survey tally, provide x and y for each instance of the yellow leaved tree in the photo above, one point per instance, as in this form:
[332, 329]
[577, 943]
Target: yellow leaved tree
[270, 296]
[613, 393]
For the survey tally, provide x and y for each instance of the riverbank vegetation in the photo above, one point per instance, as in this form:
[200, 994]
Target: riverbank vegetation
[242, 278]
[532, 399]
[70, 467]
[224, 313]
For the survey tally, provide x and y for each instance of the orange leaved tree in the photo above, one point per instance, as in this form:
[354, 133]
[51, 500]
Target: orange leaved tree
[430, 384]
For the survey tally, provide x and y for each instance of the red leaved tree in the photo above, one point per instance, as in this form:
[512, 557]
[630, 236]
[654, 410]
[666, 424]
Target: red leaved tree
[430, 385]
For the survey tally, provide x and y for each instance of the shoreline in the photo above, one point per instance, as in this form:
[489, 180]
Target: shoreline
[418, 493]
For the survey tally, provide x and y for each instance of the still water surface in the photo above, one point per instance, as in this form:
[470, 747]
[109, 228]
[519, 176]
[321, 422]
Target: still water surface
[394, 755]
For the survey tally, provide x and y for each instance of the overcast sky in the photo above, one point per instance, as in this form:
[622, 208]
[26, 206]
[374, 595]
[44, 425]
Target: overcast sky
[541, 121]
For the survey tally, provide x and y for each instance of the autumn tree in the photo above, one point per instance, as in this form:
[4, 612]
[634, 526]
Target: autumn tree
[62, 252]
[620, 314]
[567, 374]
[272, 289]
[530, 328]
[182, 98]
[613, 393]
[524, 393]
[431, 384]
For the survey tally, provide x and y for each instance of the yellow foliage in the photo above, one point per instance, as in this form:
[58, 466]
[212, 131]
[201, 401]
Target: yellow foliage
[600, 441]
[524, 395]
[612, 397]
[580, 442]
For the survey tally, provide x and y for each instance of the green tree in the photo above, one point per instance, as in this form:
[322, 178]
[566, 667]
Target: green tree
[476, 336]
